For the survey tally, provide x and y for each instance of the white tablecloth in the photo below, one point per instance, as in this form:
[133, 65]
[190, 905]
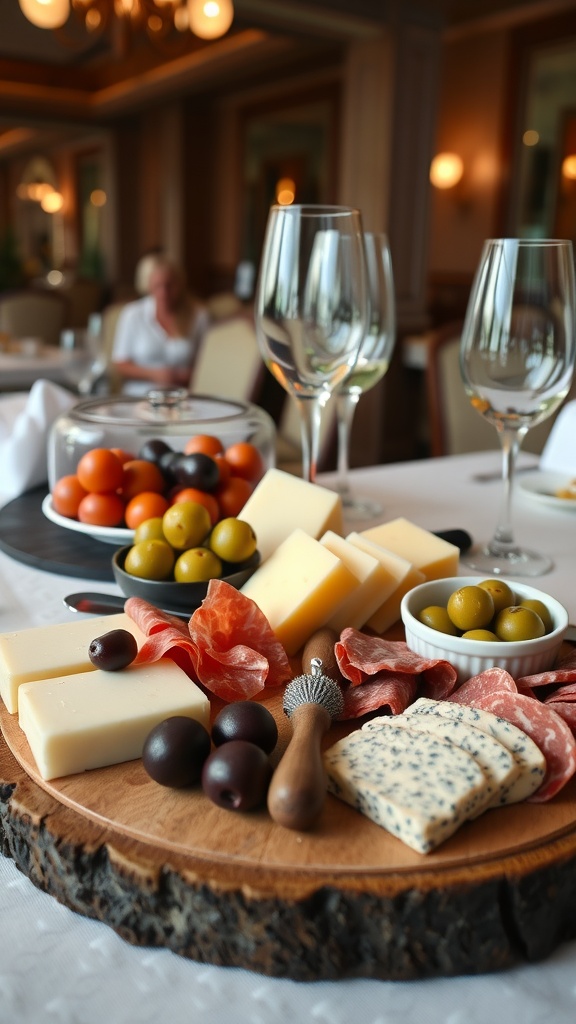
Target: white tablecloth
[59, 968]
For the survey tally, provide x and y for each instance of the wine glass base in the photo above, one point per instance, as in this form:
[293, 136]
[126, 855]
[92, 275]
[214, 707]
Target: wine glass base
[360, 508]
[512, 563]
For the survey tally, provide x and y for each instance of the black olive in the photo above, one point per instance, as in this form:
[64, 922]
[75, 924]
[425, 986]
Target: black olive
[236, 776]
[175, 750]
[114, 650]
[246, 720]
[153, 448]
[196, 470]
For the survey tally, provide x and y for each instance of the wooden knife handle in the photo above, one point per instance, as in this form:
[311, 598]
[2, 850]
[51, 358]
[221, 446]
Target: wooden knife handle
[298, 788]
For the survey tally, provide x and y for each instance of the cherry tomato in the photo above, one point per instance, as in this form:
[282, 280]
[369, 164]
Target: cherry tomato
[232, 496]
[205, 443]
[146, 505]
[202, 497]
[245, 461]
[141, 475]
[105, 509]
[100, 470]
[67, 494]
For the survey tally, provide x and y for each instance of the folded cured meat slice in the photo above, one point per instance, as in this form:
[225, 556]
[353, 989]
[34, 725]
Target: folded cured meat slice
[547, 729]
[563, 672]
[361, 656]
[395, 692]
[491, 680]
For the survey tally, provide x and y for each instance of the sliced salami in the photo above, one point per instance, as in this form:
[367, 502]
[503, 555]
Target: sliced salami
[491, 680]
[567, 711]
[360, 657]
[548, 730]
[393, 692]
[150, 619]
[563, 693]
[563, 672]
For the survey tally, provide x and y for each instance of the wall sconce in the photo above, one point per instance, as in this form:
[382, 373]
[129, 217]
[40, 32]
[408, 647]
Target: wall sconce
[569, 167]
[446, 170]
[46, 13]
[52, 202]
[210, 19]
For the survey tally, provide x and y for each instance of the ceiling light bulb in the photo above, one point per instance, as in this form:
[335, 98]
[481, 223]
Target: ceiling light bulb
[45, 13]
[210, 19]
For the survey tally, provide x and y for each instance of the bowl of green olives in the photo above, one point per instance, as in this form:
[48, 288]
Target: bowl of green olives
[477, 623]
[172, 595]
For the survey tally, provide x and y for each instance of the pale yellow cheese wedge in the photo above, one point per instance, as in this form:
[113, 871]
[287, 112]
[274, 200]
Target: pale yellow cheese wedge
[282, 503]
[374, 583]
[404, 574]
[432, 555]
[299, 587]
[91, 719]
[44, 651]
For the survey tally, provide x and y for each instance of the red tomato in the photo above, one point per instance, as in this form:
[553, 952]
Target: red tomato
[106, 509]
[67, 494]
[245, 461]
[141, 475]
[232, 496]
[146, 505]
[100, 470]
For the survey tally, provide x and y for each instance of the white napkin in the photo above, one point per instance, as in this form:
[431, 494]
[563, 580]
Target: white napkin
[25, 421]
[559, 452]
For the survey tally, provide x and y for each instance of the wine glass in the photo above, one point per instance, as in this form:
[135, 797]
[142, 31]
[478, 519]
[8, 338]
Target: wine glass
[311, 307]
[517, 361]
[372, 363]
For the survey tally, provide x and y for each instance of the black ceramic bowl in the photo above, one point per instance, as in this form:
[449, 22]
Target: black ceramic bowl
[168, 594]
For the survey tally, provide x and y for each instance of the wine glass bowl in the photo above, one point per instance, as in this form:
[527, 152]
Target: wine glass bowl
[370, 367]
[311, 307]
[517, 362]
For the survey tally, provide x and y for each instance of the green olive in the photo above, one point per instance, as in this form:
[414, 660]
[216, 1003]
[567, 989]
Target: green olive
[540, 608]
[233, 540]
[186, 524]
[481, 634]
[502, 594]
[197, 565]
[518, 623]
[470, 608]
[150, 560]
[437, 618]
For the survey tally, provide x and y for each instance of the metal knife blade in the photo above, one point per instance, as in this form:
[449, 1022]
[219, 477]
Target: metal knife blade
[93, 603]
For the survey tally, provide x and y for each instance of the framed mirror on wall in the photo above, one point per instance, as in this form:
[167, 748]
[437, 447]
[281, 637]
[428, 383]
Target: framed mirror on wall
[544, 200]
[91, 199]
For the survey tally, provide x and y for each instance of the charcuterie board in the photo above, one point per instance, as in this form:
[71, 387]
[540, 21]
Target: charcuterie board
[169, 868]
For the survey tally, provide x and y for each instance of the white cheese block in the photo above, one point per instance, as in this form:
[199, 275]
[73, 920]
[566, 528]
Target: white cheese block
[404, 574]
[497, 761]
[432, 555]
[419, 787]
[525, 752]
[375, 583]
[44, 651]
[281, 503]
[299, 588]
[91, 719]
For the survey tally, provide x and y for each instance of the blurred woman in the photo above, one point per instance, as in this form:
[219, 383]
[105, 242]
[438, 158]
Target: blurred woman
[158, 336]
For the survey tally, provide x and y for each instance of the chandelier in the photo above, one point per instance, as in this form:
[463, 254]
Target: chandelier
[207, 19]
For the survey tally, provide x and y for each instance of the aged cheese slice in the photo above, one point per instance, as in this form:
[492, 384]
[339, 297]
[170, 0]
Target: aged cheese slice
[404, 574]
[419, 787]
[282, 503]
[435, 557]
[374, 583]
[92, 719]
[525, 752]
[299, 587]
[496, 760]
[44, 651]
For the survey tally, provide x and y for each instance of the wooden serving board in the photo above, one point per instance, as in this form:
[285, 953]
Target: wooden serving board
[169, 868]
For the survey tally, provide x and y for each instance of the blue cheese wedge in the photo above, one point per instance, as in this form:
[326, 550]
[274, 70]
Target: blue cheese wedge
[525, 752]
[417, 786]
[497, 761]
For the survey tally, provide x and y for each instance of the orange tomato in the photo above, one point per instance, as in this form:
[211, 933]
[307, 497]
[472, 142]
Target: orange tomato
[245, 461]
[146, 505]
[224, 469]
[101, 509]
[123, 455]
[202, 497]
[205, 443]
[67, 494]
[141, 475]
[232, 496]
[99, 470]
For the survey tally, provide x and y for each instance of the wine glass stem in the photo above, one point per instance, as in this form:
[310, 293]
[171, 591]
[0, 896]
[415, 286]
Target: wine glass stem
[310, 409]
[503, 539]
[345, 409]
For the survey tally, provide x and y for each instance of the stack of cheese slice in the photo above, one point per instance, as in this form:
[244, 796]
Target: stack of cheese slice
[76, 717]
[422, 774]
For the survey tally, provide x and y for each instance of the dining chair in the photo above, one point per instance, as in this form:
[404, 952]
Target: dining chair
[34, 313]
[454, 426]
[229, 363]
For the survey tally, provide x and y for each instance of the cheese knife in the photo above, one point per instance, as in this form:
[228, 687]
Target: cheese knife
[93, 603]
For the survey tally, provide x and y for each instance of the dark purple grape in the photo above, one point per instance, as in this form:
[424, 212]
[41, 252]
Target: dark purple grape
[246, 720]
[196, 470]
[166, 463]
[236, 776]
[114, 650]
[153, 448]
[175, 750]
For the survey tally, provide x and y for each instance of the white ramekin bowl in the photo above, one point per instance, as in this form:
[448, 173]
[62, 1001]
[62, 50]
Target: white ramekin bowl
[470, 657]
